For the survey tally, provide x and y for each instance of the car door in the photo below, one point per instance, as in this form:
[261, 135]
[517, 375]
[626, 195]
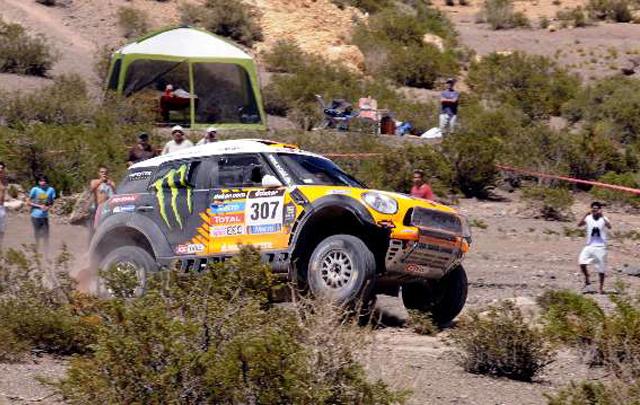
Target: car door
[181, 202]
[241, 211]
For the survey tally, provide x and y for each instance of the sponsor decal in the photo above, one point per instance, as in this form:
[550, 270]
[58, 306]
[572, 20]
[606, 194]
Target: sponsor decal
[236, 247]
[142, 175]
[289, 213]
[189, 249]
[414, 268]
[222, 231]
[124, 208]
[230, 196]
[120, 199]
[226, 208]
[339, 192]
[176, 181]
[280, 169]
[263, 229]
[227, 219]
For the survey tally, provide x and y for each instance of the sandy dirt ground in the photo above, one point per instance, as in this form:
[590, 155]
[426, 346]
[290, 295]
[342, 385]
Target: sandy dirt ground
[515, 257]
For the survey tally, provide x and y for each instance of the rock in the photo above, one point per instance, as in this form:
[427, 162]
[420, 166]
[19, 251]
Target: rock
[552, 28]
[434, 40]
[14, 205]
[630, 271]
[630, 66]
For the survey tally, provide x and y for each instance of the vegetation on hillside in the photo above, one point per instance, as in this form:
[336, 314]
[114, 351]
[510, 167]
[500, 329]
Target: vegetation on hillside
[23, 53]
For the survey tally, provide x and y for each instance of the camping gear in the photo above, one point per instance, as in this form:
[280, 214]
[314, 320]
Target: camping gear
[337, 114]
[215, 82]
[433, 133]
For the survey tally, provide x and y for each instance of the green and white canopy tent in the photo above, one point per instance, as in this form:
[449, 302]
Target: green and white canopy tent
[216, 80]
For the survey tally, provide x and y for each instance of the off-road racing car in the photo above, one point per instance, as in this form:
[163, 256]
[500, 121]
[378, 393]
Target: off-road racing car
[314, 224]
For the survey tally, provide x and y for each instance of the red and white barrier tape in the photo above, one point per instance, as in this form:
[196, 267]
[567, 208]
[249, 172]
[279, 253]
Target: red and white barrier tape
[570, 179]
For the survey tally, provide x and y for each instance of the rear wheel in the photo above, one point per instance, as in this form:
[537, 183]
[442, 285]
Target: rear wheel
[342, 269]
[443, 299]
[129, 261]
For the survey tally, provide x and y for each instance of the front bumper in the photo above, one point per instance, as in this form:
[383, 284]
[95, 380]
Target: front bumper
[431, 256]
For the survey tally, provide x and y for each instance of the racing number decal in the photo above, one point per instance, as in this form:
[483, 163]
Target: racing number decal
[263, 212]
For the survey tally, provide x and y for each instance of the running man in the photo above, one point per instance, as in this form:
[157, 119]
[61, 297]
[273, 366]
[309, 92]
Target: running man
[4, 185]
[40, 200]
[595, 252]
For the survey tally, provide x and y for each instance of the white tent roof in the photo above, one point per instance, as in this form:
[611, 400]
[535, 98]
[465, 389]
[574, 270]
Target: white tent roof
[185, 43]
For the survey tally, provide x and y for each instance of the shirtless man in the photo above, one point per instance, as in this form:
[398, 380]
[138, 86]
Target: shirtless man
[102, 189]
[4, 184]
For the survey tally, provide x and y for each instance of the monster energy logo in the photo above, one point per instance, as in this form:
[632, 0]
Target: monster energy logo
[175, 180]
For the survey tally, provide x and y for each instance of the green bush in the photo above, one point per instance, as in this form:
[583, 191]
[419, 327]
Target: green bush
[421, 323]
[597, 393]
[34, 315]
[22, 53]
[473, 159]
[575, 16]
[133, 22]
[236, 20]
[420, 65]
[216, 338]
[499, 15]
[284, 57]
[533, 83]
[552, 203]
[501, 343]
[614, 10]
[619, 197]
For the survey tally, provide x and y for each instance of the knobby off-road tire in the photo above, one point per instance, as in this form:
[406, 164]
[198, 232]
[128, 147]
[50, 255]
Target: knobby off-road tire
[126, 258]
[443, 299]
[342, 269]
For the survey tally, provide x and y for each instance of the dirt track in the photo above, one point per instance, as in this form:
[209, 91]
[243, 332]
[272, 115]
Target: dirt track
[514, 257]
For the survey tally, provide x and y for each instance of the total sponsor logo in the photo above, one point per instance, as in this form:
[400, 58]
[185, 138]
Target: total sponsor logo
[124, 208]
[227, 219]
[127, 198]
[190, 249]
[263, 229]
[227, 208]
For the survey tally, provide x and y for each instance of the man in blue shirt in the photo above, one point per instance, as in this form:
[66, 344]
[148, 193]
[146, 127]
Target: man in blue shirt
[449, 100]
[40, 200]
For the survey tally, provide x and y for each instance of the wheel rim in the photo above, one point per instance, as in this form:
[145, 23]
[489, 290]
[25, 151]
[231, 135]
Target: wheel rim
[336, 269]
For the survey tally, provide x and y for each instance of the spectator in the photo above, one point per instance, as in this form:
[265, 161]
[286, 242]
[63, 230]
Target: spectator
[595, 252]
[4, 185]
[210, 137]
[40, 200]
[178, 143]
[101, 189]
[142, 151]
[449, 100]
[420, 189]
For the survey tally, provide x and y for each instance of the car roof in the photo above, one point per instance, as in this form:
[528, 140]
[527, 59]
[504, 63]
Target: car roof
[224, 148]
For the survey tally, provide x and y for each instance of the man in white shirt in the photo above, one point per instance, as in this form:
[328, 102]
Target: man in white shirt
[179, 141]
[210, 137]
[595, 252]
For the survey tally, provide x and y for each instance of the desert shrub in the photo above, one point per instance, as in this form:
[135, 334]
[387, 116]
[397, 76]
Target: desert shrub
[420, 65]
[533, 83]
[501, 343]
[39, 308]
[619, 197]
[11, 348]
[367, 6]
[473, 159]
[544, 23]
[23, 53]
[236, 20]
[592, 154]
[613, 101]
[133, 22]
[421, 323]
[499, 14]
[597, 393]
[551, 203]
[284, 57]
[101, 64]
[575, 16]
[614, 10]
[216, 338]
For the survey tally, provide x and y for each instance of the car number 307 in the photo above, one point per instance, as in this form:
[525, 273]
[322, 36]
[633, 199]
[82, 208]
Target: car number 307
[265, 210]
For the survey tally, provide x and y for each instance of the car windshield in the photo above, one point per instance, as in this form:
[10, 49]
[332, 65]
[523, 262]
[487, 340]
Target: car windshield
[311, 170]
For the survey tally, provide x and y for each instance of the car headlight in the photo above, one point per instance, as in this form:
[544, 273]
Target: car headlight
[381, 203]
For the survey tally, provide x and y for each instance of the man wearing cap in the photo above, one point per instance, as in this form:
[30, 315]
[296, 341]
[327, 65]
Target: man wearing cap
[449, 100]
[595, 252]
[179, 141]
[143, 150]
[209, 137]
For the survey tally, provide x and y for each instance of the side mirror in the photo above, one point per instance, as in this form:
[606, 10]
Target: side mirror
[269, 181]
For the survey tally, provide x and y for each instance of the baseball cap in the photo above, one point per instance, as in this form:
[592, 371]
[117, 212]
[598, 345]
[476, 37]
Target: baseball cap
[212, 129]
[143, 135]
[177, 128]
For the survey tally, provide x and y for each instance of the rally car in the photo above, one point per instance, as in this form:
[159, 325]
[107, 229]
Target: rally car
[314, 224]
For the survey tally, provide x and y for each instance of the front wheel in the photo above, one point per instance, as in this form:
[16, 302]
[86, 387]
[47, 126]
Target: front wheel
[443, 299]
[127, 268]
[342, 269]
